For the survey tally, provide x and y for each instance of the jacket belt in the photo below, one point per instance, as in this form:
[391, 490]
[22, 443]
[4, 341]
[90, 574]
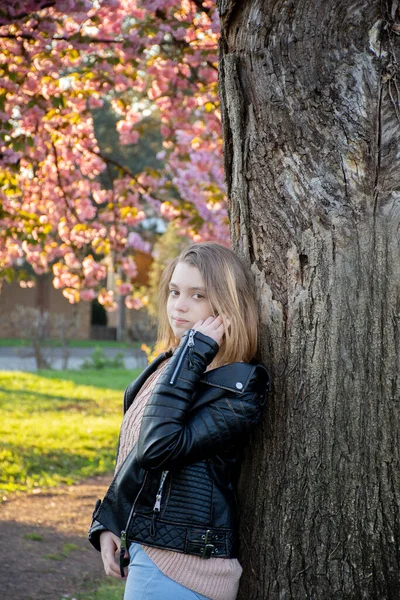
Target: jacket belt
[199, 541]
[209, 542]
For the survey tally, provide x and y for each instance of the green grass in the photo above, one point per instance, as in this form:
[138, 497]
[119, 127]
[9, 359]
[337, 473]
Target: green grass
[35, 537]
[112, 379]
[65, 552]
[111, 589]
[73, 343]
[58, 426]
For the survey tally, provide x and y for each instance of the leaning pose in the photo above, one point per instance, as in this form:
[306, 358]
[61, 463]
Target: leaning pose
[170, 512]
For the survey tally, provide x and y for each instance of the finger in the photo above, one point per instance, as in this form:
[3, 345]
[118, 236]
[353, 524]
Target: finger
[109, 559]
[114, 574]
[198, 324]
[212, 321]
[209, 320]
[112, 568]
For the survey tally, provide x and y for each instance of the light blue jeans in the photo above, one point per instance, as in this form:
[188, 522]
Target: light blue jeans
[145, 581]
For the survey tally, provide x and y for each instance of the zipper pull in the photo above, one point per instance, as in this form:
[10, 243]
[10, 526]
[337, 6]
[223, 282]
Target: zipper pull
[191, 336]
[157, 505]
[123, 539]
[122, 554]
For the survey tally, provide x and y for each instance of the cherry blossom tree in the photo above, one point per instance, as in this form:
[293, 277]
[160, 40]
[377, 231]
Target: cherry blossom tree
[60, 60]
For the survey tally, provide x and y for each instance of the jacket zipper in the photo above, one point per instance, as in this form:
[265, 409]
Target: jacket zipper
[157, 504]
[123, 546]
[189, 346]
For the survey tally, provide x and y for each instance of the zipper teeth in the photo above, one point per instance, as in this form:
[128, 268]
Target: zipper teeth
[190, 342]
[157, 504]
[178, 366]
[163, 478]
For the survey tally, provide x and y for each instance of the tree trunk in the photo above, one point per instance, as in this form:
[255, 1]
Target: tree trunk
[310, 105]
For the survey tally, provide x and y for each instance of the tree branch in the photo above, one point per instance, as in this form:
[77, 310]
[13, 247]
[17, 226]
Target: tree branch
[126, 170]
[67, 204]
[46, 4]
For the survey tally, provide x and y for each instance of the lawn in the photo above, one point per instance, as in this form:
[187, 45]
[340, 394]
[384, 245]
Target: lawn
[58, 426]
[111, 589]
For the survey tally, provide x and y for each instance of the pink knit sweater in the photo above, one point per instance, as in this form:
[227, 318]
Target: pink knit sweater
[215, 578]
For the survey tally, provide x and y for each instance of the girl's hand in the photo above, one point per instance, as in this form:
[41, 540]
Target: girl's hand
[213, 327]
[110, 544]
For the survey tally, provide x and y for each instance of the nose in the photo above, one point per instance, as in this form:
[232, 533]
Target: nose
[180, 304]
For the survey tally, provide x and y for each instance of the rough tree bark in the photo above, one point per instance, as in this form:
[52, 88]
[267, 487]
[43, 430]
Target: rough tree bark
[310, 101]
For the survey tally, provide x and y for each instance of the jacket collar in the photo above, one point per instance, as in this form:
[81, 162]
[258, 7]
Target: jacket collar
[234, 377]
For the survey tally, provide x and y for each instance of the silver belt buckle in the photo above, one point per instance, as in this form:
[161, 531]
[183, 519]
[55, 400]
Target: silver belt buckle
[208, 549]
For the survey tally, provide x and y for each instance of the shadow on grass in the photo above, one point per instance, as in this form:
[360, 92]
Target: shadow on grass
[87, 403]
[112, 379]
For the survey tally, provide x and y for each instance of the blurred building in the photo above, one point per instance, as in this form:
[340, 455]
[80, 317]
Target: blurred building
[89, 320]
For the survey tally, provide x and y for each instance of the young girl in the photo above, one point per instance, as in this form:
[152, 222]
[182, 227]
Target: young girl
[171, 508]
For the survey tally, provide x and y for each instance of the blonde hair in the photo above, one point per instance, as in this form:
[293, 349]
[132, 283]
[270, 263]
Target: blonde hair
[230, 292]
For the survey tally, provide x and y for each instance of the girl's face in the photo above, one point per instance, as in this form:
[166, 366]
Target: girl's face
[187, 300]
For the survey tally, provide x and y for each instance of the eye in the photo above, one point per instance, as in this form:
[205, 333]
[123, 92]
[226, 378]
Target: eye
[173, 293]
[198, 296]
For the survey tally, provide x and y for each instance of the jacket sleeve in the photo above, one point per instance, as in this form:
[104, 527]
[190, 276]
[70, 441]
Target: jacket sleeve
[95, 528]
[94, 532]
[171, 436]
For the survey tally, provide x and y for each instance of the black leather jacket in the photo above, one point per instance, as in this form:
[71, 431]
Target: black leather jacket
[175, 488]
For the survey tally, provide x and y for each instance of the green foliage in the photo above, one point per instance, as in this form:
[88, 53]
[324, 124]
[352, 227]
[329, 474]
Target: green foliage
[134, 156]
[111, 589]
[99, 360]
[54, 431]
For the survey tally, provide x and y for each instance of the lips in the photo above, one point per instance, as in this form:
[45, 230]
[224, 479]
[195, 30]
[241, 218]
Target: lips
[180, 321]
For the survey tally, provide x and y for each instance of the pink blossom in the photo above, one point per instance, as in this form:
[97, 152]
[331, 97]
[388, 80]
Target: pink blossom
[88, 295]
[106, 299]
[136, 241]
[124, 289]
[71, 295]
[52, 156]
[95, 102]
[168, 211]
[27, 284]
[129, 267]
[133, 302]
